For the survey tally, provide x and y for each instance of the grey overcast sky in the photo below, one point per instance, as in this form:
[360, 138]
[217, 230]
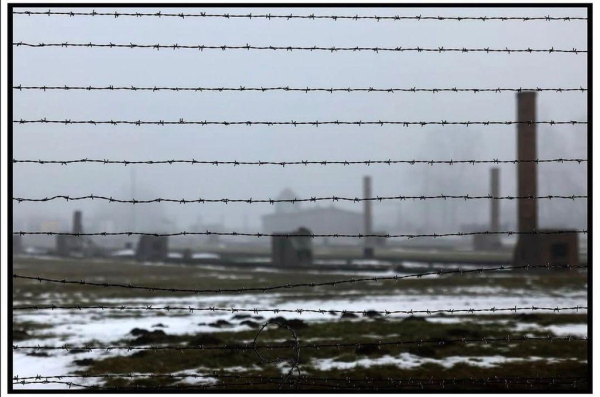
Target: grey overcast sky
[144, 67]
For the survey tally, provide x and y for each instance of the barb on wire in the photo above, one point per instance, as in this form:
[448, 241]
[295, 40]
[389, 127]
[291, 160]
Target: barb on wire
[365, 313]
[302, 162]
[331, 49]
[396, 277]
[330, 90]
[312, 16]
[310, 235]
[328, 345]
[312, 199]
[294, 123]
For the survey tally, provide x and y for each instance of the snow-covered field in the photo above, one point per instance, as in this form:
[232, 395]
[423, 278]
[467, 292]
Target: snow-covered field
[80, 327]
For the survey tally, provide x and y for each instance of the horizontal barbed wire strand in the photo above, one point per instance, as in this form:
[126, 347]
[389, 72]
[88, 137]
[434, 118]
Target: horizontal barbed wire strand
[440, 272]
[466, 197]
[296, 123]
[311, 235]
[252, 346]
[365, 313]
[169, 387]
[301, 162]
[219, 375]
[344, 385]
[292, 89]
[332, 49]
[269, 16]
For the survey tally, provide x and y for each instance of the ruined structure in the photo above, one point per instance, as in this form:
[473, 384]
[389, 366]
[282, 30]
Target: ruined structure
[73, 245]
[17, 245]
[368, 251]
[535, 249]
[152, 249]
[483, 242]
[292, 251]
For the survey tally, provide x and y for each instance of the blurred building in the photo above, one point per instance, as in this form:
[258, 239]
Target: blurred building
[75, 245]
[320, 220]
[491, 242]
[17, 245]
[292, 251]
[534, 246]
[152, 248]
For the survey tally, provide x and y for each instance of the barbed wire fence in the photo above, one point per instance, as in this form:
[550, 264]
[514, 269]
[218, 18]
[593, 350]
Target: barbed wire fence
[296, 89]
[303, 162]
[270, 16]
[464, 197]
[231, 381]
[441, 272]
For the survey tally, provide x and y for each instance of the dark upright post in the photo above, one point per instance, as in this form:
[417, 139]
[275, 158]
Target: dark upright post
[368, 217]
[527, 252]
[495, 204]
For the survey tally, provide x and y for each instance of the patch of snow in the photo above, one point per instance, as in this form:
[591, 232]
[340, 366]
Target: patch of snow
[205, 255]
[410, 361]
[558, 330]
[568, 329]
[124, 253]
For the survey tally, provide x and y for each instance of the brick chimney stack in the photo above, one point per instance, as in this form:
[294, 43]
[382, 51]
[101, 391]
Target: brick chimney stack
[368, 216]
[495, 204]
[528, 245]
[527, 150]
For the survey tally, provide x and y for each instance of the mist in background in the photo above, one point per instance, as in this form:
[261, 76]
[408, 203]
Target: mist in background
[190, 68]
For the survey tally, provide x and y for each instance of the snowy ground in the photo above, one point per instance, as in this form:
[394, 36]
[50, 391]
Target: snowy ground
[80, 327]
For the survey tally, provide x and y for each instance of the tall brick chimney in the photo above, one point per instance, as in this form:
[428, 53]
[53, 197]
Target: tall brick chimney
[368, 217]
[528, 246]
[77, 222]
[527, 150]
[495, 204]
[535, 249]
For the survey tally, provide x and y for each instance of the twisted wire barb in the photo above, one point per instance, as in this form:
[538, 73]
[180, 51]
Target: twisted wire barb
[331, 90]
[396, 277]
[365, 313]
[297, 200]
[332, 49]
[330, 345]
[310, 235]
[294, 123]
[269, 16]
[302, 162]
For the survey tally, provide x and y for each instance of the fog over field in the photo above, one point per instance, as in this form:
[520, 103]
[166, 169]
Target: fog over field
[235, 68]
[478, 308]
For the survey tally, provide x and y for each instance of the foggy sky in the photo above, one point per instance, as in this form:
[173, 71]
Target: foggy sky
[143, 67]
